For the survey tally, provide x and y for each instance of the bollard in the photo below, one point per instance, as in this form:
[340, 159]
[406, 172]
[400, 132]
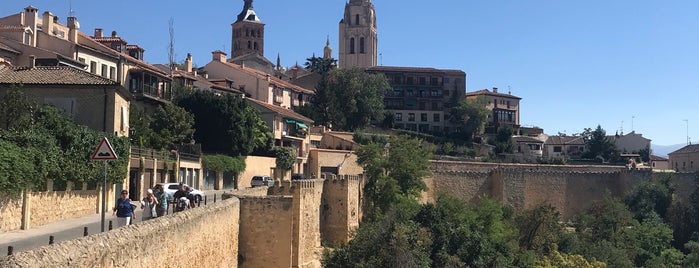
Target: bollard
[110, 225]
[51, 240]
[85, 231]
[214, 198]
[198, 203]
[10, 249]
[204, 200]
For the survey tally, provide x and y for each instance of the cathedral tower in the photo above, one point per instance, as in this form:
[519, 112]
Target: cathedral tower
[358, 41]
[248, 33]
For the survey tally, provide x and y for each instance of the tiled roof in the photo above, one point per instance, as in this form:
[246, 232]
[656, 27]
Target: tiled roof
[273, 80]
[109, 39]
[284, 112]
[488, 92]
[50, 75]
[657, 158]
[105, 49]
[692, 148]
[12, 28]
[412, 69]
[525, 139]
[565, 140]
[7, 48]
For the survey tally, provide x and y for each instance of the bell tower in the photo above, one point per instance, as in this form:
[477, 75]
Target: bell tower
[248, 33]
[357, 40]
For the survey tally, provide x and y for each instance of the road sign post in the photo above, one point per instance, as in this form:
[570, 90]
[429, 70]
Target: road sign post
[104, 152]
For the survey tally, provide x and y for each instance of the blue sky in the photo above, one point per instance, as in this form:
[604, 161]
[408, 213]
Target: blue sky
[575, 64]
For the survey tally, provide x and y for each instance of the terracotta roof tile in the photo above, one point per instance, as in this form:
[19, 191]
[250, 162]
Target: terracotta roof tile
[51, 75]
[488, 92]
[273, 80]
[565, 140]
[12, 28]
[281, 110]
[412, 69]
[692, 148]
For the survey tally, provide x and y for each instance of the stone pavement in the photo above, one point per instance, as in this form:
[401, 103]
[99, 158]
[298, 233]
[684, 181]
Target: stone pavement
[67, 229]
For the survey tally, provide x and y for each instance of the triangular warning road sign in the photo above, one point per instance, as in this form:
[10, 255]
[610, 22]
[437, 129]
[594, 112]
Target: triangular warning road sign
[104, 151]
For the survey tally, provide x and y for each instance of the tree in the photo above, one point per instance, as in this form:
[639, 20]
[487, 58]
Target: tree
[503, 140]
[16, 109]
[226, 124]
[320, 65]
[470, 117]
[651, 197]
[171, 125]
[140, 131]
[285, 157]
[598, 146]
[394, 170]
[349, 99]
[539, 229]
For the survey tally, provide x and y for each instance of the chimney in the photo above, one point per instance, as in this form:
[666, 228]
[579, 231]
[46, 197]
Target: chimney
[73, 29]
[32, 61]
[98, 33]
[219, 56]
[495, 90]
[188, 63]
[114, 34]
[47, 23]
[267, 77]
[31, 20]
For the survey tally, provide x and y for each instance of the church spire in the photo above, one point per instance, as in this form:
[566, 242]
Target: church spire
[279, 63]
[327, 51]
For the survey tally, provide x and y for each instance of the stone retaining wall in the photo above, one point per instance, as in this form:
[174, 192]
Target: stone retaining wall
[206, 236]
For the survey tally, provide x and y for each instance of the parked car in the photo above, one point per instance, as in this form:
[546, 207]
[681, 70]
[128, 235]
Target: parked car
[261, 181]
[172, 187]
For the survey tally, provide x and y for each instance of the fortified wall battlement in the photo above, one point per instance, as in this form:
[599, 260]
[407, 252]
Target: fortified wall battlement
[571, 189]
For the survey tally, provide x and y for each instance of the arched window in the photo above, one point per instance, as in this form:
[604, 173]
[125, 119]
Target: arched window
[352, 45]
[255, 46]
[259, 33]
[361, 45]
[356, 19]
[249, 45]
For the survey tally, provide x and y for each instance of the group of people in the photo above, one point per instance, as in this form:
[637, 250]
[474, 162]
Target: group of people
[154, 205]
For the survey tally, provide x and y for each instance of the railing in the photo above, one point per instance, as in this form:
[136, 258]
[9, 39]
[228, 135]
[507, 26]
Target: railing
[150, 153]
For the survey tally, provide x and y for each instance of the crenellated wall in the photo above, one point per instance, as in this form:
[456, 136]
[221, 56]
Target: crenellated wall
[571, 189]
[340, 208]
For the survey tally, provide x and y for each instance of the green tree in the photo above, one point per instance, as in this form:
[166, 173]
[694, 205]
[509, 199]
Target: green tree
[285, 157]
[394, 170]
[349, 99]
[320, 65]
[651, 197]
[597, 146]
[171, 125]
[140, 131]
[503, 140]
[226, 124]
[470, 117]
[539, 229]
[17, 170]
[15, 109]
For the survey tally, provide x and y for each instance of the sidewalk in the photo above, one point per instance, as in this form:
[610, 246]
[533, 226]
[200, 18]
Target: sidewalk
[68, 229]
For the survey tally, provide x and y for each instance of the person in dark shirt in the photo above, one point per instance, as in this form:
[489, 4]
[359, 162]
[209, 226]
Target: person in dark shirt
[182, 192]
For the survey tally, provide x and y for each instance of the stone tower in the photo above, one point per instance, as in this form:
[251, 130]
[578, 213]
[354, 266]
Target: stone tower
[248, 33]
[327, 50]
[358, 41]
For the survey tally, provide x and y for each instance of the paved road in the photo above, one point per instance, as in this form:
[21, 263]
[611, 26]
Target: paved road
[68, 229]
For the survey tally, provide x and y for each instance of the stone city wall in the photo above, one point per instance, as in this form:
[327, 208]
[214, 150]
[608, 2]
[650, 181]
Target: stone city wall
[266, 231]
[46, 207]
[340, 208]
[571, 189]
[204, 237]
[10, 213]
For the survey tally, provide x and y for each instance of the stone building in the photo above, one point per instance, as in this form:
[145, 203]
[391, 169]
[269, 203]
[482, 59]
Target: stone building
[248, 33]
[357, 35]
[686, 159]
[421, 96]
[504, 107]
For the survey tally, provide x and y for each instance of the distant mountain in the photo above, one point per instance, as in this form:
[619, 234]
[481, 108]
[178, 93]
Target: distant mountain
[663, 150]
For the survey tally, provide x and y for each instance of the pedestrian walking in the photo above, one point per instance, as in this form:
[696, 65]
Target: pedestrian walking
[180, 198]
[148, 204]
[163, 200]
[123, 209]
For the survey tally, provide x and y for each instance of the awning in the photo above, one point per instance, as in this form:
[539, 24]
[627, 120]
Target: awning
[292, 121]
[301, 125]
